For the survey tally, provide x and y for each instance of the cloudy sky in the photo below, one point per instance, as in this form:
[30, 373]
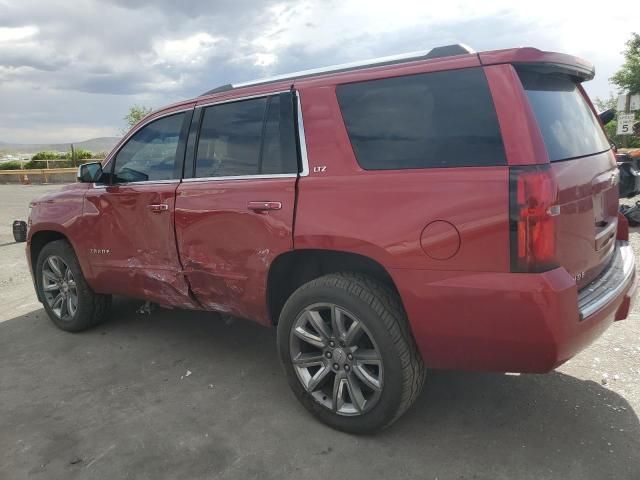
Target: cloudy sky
[69, 70]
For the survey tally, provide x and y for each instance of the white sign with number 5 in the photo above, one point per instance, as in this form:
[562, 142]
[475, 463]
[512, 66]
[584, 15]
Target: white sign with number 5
[625, 124]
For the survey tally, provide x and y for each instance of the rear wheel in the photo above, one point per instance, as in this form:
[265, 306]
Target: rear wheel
[345, 345]
[68, 300]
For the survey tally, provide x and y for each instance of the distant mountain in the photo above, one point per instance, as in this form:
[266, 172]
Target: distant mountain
[101, 144]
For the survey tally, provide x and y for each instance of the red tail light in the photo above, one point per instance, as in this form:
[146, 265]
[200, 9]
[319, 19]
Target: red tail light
[533, 206]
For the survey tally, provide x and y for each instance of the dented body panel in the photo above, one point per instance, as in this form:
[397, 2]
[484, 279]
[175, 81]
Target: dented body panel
[131, 249]
[226, 249]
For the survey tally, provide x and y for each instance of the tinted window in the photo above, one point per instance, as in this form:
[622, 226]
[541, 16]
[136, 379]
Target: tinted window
[230, 139]
[248, 137]
[569, 127]
[279, 147]
[443, 119]
[150, 154]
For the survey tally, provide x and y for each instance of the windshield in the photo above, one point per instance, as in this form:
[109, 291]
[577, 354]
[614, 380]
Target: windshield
[568, 125]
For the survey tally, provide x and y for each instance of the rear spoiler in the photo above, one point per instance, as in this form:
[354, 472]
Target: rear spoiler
[548, 62]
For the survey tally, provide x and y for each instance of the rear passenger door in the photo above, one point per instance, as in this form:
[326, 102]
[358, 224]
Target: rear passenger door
[234, 209]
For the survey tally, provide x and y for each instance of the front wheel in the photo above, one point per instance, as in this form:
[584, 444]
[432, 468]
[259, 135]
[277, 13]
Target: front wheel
[65, 294]
[345, 345]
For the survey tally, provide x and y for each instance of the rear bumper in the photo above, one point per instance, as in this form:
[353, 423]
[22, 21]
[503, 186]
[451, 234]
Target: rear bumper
[608, 286]
[513, 322]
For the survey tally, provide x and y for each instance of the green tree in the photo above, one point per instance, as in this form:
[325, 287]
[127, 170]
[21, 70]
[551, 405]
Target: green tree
[49, 156]
[603, 104]
[12, 165]
[84, 154]
[135, 114]
[628, 77]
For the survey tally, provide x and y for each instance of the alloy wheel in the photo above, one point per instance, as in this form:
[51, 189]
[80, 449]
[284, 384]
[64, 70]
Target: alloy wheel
[59, 287]
[336, 359]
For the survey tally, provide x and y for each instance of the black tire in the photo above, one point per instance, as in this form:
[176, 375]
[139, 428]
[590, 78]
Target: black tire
[91, 308]
[20, 231]
[379, 309]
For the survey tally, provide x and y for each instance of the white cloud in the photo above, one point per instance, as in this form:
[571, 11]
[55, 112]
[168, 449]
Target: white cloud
[191, 50]
[13, 34]
[154, 52]
[596, 32]
[264, 59]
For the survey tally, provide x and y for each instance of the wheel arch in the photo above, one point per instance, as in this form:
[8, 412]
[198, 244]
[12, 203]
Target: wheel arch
[292, 269]
[38, 240]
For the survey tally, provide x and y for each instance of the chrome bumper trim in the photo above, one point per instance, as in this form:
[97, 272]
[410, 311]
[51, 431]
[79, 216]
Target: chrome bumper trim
[610, 284]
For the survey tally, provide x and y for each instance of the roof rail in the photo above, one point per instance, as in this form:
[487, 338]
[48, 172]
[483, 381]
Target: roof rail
[437, 52]
[221, 88]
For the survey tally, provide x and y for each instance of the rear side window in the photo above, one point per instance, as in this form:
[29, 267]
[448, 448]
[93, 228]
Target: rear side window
[568, 125]
[442, 119]
[229, 142]
[248, 137]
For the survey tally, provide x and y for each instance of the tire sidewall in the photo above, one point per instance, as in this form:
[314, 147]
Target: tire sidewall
[390, 399]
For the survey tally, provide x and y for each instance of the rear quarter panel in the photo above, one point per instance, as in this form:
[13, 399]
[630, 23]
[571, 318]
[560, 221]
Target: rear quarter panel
[382, 214]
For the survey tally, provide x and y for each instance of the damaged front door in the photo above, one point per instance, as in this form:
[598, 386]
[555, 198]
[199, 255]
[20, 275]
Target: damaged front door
[130, 237]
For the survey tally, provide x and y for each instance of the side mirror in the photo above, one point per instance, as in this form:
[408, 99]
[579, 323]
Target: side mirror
[607, 115]
[89, 172]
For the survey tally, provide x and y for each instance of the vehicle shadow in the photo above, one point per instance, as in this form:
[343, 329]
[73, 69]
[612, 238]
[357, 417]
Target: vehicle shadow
[177, 394]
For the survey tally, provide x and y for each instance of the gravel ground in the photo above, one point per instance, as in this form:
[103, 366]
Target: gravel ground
[184, 395]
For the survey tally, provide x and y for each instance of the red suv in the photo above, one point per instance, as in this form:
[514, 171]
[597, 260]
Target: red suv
[447, 209]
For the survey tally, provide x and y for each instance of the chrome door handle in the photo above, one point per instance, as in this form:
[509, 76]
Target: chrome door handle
[158, 207]
[262, 206]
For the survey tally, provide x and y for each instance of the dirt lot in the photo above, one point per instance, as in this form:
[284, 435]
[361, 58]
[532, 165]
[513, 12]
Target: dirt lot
[119, 402]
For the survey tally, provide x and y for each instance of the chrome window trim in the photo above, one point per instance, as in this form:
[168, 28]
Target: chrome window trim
[239, 99]
[242, 177]
[144, 182]
[302, 139]
[303, 147]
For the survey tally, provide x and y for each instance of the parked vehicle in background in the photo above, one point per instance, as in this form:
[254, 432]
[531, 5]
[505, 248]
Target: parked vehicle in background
[446, 209]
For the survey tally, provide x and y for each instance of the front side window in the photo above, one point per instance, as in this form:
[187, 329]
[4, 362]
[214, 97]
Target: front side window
[150, 154]
[440, 119]
[247, 137]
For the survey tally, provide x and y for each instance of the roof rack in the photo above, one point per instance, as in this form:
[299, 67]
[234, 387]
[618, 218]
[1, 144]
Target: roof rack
[437, 52]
